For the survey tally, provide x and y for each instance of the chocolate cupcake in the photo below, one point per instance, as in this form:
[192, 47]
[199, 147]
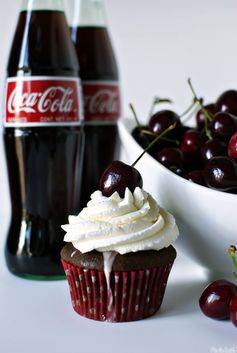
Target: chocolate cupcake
[118, 256]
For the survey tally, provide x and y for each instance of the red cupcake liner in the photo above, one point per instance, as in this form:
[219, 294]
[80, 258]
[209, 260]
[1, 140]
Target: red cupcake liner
[135, 294]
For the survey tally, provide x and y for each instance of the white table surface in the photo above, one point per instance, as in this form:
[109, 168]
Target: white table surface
[37, 317]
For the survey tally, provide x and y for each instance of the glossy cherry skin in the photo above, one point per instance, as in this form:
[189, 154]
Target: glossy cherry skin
[223, 126]
[200, 117]
[212, 148]
[191, 142]
[232, 147]
[221, 173]
[172, 158]
[215, 299]
[233, 309]
[227, 102]
[161, 120]
[190, 146]
[117, 177]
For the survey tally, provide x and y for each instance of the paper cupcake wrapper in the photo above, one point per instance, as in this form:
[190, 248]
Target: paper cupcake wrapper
[135, 294]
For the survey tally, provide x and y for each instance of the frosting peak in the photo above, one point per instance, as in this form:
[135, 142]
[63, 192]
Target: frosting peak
[129, 224]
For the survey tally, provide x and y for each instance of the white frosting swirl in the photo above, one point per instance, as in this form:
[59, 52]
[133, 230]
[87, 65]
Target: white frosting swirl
[129, 224]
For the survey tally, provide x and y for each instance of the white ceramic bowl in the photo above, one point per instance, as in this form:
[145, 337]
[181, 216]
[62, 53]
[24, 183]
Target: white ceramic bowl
[207, 219]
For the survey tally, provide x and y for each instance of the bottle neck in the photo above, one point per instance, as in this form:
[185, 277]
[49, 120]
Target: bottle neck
[31, 5]
[86, 13]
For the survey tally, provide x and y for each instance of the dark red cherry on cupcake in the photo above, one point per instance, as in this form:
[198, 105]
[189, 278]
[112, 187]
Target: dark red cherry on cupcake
[232, 147]
[227, 102]
[215, 299]
[117, 177]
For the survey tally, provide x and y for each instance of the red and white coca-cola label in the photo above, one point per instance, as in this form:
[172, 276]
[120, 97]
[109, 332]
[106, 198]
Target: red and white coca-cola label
[37, 101]
[101, 101]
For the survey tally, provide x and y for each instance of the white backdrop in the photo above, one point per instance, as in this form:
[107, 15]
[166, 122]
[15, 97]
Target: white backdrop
[158, 44]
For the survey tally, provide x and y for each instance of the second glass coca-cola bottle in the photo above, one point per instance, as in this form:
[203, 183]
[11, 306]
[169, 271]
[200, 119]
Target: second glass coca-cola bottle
[99, 74]
[43, 138]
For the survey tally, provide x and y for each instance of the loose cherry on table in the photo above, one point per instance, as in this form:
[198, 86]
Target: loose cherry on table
[215, 299]
[219, 298]
[233, 309]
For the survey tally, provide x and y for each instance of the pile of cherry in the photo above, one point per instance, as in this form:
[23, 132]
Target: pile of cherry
[206, 154]
[219, 298]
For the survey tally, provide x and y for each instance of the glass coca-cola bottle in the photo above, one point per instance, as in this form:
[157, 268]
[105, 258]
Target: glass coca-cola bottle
[43, 138]
[99, 75]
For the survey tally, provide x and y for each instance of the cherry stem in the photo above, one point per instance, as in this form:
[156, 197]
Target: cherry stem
[232, 251]
[158, 100]
[171, 127]
[207, 115]
[135, 116]
[188, 109]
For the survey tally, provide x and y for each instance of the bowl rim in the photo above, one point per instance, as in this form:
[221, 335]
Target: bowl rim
[125, 124]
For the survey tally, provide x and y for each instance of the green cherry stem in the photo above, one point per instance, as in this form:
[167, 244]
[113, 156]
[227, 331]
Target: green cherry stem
[207, 115]
[150, 133]
[171, 127]
[188, 109]
[158, 100]
[135, 115]
[232, 251]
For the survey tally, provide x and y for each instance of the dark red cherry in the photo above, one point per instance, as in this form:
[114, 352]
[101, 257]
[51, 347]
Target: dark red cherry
[161, 120]
[215, 299]
[212, 148]
[191, 142]
[227, 102]
[232, 147]
[117, 177]
[233, 309]
[172, 158]
[197, 177]
[221, 173]
[223, 126]
[200, 117]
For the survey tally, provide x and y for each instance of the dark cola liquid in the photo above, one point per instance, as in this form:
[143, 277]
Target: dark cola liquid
[97, 63]
[44, 163]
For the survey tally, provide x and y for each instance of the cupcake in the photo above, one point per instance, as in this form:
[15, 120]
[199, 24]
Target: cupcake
[118, 256]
